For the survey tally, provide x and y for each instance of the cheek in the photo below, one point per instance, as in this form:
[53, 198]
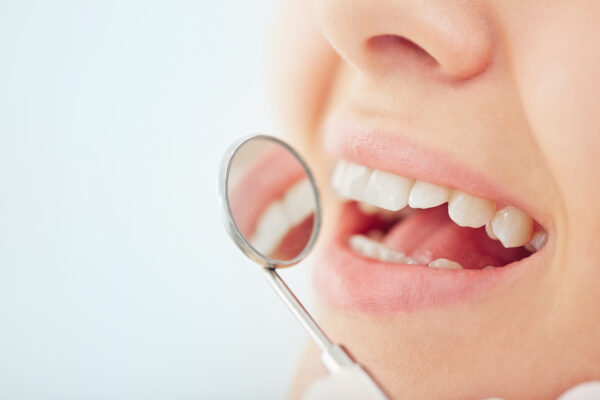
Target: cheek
[300, 70]
[556, 60]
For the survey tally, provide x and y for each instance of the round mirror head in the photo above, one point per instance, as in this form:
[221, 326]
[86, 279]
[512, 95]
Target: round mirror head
[271, 202]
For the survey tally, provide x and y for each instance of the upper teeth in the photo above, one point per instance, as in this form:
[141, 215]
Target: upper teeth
[393, 192]
[281, 215]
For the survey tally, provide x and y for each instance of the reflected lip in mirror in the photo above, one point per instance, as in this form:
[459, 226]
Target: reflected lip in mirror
[270, 201]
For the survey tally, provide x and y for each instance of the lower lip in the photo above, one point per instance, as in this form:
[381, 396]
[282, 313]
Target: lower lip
[354, 283]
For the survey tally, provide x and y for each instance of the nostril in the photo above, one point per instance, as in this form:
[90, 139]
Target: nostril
[393, 50]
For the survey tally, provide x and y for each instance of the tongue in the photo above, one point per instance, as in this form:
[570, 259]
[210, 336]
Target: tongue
[426, 235]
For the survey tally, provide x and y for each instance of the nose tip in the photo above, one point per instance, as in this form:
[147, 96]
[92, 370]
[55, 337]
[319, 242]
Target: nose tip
[452, 38]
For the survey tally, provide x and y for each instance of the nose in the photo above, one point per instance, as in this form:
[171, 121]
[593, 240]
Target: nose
[451, 38]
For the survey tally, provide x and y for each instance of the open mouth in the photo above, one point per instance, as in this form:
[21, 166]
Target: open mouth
[417, 228]
[401, 220]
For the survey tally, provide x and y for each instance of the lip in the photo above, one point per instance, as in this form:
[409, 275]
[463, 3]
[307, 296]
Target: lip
[354, 283]
[258, 186]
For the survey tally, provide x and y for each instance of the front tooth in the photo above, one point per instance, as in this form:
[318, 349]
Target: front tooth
[512, 227]
[271, 229]
[338, 174]
[353, 181]
[537, 241]
[387, 190]
[299, 202]
[471, 211]
[489, 267]
[427, 195]
[445, 263]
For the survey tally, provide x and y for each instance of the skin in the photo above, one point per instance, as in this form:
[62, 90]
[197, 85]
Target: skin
[509, 88]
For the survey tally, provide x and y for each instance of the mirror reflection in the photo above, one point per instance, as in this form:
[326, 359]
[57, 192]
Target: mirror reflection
[271, 199]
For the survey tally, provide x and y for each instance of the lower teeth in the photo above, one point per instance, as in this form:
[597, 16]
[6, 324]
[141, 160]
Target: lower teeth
[373, 249]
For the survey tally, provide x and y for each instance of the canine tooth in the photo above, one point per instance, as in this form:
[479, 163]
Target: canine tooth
[471, 211]
[489, 231]
[512, 227]
[368, 208]
[410, 260]
[354, 181]
[388, 191]
[271, 229]
[537, 241]
[445, 263]
[427, 195]
[299, 202]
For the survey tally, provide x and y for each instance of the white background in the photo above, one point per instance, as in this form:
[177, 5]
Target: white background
[117, 280]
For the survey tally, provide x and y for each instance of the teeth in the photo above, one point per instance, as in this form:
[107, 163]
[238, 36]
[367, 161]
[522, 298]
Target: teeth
[410, 260]
[489, 231]
[427, 195]
[296, 205]
[368, 208]
[384, 193]
[299, 202]
[372, 249]
[351, 180]
[512, 227]
[445, 263]
[387, 190]
[271, 228]
[537, 241]
[489, 267]
[471, 211]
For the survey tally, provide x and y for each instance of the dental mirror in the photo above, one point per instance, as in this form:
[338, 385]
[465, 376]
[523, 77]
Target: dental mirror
[272, 204]
[272, 212]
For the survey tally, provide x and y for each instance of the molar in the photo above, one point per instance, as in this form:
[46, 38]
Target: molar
[427, 195]
[471, 211]
[512, 227]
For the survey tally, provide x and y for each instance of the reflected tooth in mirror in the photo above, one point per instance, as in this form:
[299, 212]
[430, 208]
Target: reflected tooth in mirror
[445, 264]
[388, 191]
[354, 181]
[272, 227]
[298, 202]
[427, 195]
[470, 211]
[537, 241]
[512, 227]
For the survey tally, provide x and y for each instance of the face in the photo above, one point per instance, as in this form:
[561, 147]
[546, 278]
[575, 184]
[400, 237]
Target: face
[459, 257]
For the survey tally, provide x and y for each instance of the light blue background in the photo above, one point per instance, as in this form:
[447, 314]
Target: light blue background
[117, 280]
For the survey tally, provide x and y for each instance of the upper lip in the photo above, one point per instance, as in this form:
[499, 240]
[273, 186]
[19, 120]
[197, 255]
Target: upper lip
[371, 286]
[357, 141]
